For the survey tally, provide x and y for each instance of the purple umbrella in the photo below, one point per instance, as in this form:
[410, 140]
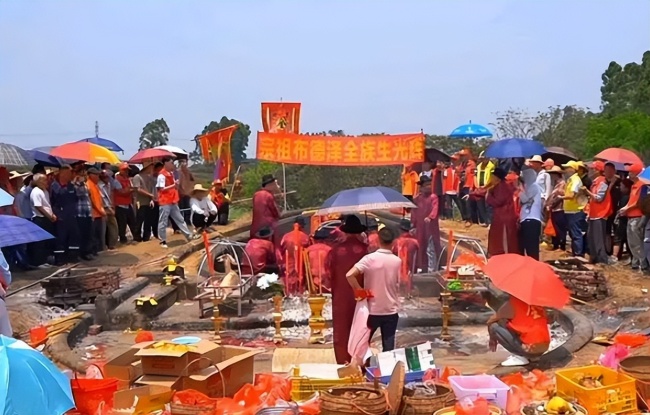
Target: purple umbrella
[18, 231]
[364, 199]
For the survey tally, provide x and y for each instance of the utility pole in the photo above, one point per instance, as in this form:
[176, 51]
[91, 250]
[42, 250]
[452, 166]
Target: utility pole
[96, 128]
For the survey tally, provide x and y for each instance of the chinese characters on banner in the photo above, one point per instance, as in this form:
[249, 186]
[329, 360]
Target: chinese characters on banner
[281, 117]
[376, 150]
[215, 147]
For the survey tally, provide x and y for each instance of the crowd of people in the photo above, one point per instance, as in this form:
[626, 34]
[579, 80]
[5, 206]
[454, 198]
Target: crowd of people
[89, 208]
[600, 207]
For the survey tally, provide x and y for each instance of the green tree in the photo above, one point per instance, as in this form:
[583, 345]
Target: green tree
[252, 177]
[564, 127]
[238, 143]
[630, 130]
[626, 88]
[154, 134]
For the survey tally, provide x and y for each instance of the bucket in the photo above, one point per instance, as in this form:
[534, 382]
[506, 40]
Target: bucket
[638, 367]
[92, 394]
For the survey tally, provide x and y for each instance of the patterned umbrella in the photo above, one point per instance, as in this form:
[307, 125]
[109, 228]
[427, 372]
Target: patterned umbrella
[470, 131]
[11, 155]
[18, 231]
[111, 145]
[364, 199]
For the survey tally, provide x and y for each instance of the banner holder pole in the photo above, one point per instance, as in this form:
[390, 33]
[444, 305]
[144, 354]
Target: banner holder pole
[284, 184]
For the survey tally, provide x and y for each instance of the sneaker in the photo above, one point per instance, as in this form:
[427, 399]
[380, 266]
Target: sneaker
[513, 361]
[163, 244]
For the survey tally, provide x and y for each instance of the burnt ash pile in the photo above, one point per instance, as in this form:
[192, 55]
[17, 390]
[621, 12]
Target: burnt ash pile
[581, 278]
[79, 286]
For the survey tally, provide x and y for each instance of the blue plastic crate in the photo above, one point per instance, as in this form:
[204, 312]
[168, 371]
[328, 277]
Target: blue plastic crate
[410, 376]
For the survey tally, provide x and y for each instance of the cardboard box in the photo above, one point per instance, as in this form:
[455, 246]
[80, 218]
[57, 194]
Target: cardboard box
[164, 362]
[125, 367]
[235, 366]
[170, 382]
[150, 399]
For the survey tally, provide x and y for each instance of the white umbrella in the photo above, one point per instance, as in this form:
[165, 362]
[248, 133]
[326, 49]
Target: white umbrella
[176, 150]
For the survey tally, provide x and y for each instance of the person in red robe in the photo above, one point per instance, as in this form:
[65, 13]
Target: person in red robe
[291, 249]
[406, 247]
[262, 252]
[372, 234]
[265, 210]
[345, 253]
[503, 234]
[427, 227]
[319, 255]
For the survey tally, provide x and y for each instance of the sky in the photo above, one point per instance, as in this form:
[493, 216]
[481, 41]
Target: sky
[361, 66]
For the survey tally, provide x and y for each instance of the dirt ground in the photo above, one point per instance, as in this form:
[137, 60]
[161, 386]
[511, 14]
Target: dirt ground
[626, 288]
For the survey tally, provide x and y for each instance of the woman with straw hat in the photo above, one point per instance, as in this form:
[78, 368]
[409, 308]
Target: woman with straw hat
[203, 210]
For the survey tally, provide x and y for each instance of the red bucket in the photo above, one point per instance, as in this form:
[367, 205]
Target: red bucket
[90, 393]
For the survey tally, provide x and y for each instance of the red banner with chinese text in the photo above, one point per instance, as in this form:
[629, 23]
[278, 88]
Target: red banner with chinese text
[281, 117]
[374, 150]
[215, 147]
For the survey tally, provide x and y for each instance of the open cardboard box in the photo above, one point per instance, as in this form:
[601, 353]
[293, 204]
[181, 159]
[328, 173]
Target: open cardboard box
[236, 365]
[150, 399]
[125, 367]
[164, 362]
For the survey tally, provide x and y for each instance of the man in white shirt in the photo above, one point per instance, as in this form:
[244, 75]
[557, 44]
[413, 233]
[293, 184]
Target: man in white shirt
[380, 271]
[203, 211]
[543, 178]
[43, 216]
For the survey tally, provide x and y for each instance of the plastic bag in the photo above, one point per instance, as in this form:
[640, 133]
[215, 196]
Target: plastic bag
[449, 371]
[468, 406]
[549, 229]
[143, 336]
[630, 339]
[613, 356]
[359, 342]
[192, 397]
[228, 406]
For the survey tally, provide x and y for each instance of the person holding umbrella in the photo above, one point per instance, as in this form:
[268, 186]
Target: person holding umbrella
[521, 324]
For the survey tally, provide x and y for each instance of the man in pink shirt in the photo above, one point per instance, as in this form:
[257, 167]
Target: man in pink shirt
[380, 271]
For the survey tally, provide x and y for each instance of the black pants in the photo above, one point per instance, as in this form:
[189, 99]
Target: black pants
[596, 241]
[483, 211]
[68, 240]
[125, 217]
[509, 340]
[155, 213]
[560, 226]
[450, 201]
[39, 251]
[85, 226]
[388, 326]
[96, 234]
[530, 231]
[222, 215]
[474, 215]
[199, 222]
[463, 204]
[145, 223]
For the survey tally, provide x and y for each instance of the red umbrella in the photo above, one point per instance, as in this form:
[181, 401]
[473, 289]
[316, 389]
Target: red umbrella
[150, 154]
[619, 155]
[533, 282]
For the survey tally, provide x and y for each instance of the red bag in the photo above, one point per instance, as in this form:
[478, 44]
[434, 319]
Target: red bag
[549, 230]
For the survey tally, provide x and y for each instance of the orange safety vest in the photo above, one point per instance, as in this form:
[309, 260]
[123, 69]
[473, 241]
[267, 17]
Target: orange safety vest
[470, 174]
[635, 195]
[169, 196]
[602, 209]
[121, 199]
[451, 181]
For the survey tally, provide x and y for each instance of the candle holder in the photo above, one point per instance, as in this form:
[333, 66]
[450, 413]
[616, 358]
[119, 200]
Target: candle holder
[316, 321]
[277, 318]
[216, 323]
[446, 315]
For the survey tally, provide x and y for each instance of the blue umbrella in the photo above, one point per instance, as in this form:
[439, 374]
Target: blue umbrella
[470, 131]
[364, 199]
[514, 148]
[111, 145]
[17, 231]
[30, 383]
[6, 199]
[645, 175]
[41, 155]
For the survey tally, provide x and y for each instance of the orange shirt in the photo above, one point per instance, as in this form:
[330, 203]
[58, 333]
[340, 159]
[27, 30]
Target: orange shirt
[530, 322]
[95, 200]
[122, 199]
[470, 173]
[450, 181]
[410, 183]
[635, 193]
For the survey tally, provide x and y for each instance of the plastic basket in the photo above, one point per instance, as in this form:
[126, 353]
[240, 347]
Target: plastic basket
[410, 376]
[485, 386]
[302, 387]
[618, 395]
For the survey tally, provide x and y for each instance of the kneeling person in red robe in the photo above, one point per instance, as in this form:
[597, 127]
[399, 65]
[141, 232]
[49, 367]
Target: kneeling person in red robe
[262, 253]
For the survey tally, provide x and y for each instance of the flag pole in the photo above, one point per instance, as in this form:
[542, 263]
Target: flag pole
[284, 184]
